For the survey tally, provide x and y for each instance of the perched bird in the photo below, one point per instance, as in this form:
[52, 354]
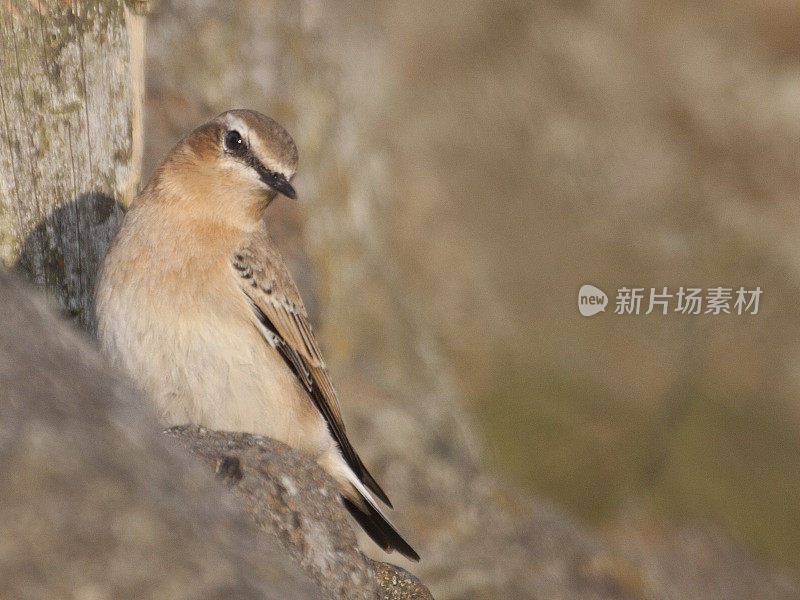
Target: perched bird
[196, 304]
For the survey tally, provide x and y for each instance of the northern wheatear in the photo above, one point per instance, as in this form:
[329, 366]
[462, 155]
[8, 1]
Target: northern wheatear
[197, 305]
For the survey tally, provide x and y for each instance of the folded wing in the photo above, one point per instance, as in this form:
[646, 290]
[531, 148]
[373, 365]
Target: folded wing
[273, 295]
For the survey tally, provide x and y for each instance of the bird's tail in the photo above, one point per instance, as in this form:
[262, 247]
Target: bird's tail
[373, 520]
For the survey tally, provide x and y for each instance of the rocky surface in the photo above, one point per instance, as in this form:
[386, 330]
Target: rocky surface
[395, 583]
[293, 498]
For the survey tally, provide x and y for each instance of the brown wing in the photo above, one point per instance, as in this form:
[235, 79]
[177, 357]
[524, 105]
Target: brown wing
[265, 280]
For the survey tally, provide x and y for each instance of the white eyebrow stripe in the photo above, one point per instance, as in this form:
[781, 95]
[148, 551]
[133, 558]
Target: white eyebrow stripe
[236, 123]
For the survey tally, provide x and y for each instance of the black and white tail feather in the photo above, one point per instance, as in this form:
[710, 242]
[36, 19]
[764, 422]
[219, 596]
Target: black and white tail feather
[375, 522]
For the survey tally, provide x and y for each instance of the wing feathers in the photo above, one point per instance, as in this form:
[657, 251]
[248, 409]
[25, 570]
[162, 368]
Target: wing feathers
[317, 382]
[281, 315]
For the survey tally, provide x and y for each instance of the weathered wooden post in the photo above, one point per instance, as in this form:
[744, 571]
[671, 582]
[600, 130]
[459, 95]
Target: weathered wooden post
[71, 94]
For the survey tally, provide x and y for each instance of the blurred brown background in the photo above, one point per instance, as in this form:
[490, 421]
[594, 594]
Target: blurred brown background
[465, 168]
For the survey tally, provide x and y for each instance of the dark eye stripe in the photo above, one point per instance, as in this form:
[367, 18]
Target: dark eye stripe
[235, 145]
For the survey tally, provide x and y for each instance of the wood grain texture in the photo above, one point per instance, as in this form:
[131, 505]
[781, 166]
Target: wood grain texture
[70, 150]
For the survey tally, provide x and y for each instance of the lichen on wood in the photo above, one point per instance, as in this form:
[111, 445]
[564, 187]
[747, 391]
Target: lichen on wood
[70, 104]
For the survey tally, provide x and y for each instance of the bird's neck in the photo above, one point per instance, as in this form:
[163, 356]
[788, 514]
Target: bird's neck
[193, 197]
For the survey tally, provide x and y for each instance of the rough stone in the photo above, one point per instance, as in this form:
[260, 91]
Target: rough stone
[290, 496]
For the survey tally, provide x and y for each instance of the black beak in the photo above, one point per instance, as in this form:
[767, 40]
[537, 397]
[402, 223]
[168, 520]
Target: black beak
[277, 182]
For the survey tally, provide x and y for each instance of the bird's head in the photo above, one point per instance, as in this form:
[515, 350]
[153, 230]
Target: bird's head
[231, 167]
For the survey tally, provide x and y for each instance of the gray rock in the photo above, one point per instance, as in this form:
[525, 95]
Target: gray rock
[293, 498]
[395, 583]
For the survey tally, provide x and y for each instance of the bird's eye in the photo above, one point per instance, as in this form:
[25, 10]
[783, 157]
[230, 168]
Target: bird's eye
[234, 142]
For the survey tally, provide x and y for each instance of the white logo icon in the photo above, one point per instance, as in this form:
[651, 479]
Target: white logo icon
[591, 300]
